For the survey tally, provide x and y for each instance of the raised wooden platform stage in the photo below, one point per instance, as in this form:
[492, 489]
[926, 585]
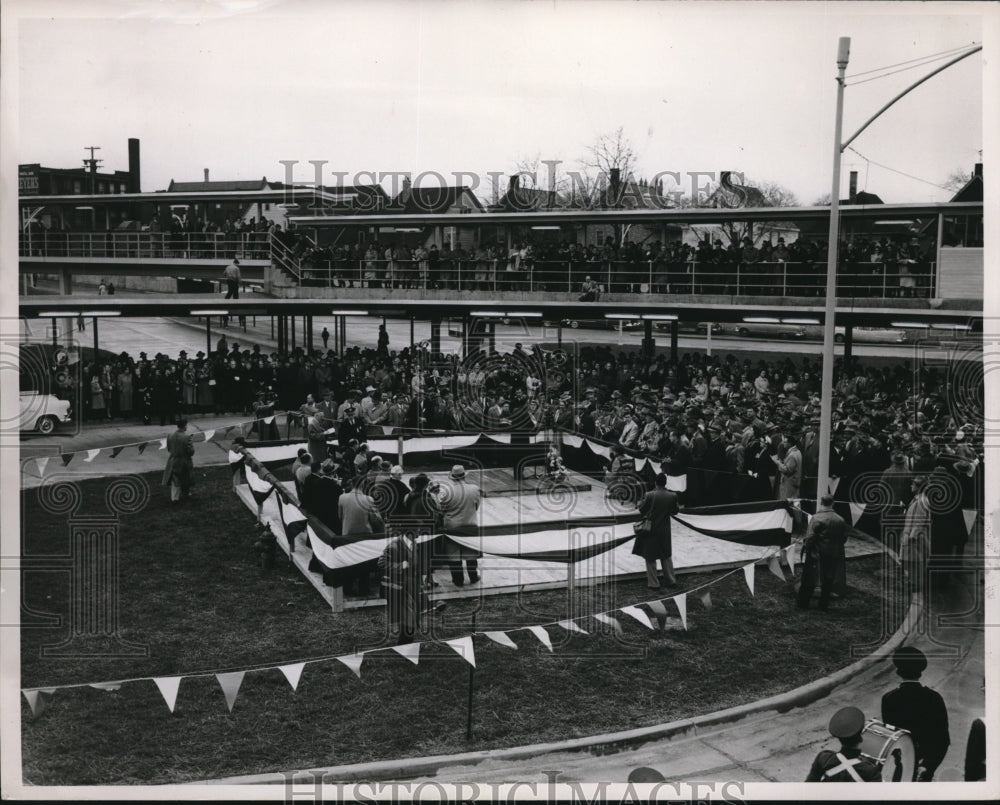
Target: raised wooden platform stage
[693, 552]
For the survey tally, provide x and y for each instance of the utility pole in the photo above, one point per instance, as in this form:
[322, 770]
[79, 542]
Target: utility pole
[92, 164]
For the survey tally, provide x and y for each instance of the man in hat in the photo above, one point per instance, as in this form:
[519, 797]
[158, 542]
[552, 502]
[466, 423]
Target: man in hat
[350, 428]
[316, 436]
[846, 765]
[790, 469]
[822, 553]
[457, 501]
[919, 710]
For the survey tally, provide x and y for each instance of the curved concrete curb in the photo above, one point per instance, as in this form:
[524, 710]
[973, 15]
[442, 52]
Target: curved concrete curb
[606, 744]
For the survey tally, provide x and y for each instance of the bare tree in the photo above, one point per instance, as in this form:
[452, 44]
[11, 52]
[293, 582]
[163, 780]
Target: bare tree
[956, 180]
[750, 194]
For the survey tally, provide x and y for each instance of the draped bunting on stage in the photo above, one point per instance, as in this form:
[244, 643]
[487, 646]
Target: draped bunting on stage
[276, 454]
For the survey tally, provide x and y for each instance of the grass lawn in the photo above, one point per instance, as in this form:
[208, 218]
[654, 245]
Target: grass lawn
[190, 591]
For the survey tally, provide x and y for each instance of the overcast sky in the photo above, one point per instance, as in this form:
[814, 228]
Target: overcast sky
[437, 86]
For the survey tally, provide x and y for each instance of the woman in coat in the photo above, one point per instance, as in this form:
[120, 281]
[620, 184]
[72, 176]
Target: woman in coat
[657, 507]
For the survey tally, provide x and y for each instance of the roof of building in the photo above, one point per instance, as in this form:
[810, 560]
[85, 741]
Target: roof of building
[433, 200]
[226, 186]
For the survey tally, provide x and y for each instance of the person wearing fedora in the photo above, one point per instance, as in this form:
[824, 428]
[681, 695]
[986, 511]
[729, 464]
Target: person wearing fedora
[457, 502]
[846, 765]
[919, 710]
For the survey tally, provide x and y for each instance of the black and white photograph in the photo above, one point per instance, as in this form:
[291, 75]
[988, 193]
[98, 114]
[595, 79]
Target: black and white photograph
[372, 357]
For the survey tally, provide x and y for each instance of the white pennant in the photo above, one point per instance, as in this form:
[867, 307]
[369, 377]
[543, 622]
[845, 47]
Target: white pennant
[268, 420]
[387, 429]
[610, 621]
[706, 599]
[657, 468]
[92, 454]
[775, 567]
[234, 457]
[409, 650]
[970, 519]
[857, 509]
[639, 615]
[230, 684]
[163, 443]
[40, 462]
[209, 434]
[640, 463]
[463, 647]
[570, 626]
[682, 608]
[35, 701]
[748, 571]
[792, 557]
[501, 638]
[542, 635]
[834, 483]
[168, 686]
[353, 661]
[292, 673]
[106, 685]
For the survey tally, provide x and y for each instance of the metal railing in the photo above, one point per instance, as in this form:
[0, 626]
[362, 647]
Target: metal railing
[138, 245]
[873, 280]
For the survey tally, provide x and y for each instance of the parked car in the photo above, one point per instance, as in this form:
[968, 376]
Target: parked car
[700, 327]
[43, 413]
[861, 335]
[602, 324]
[766, 330]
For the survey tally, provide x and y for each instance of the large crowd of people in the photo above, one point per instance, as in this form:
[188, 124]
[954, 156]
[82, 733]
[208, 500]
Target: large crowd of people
[869, 267]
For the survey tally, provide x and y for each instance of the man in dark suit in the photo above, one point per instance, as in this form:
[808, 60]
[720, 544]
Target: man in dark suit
[918, 709]
[822, 551]
[180, 465]
[657, 506]
[350, 428]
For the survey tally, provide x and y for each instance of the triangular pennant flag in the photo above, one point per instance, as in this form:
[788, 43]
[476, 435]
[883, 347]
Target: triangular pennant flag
[409, 650]
[501, 638]
[92, 454]
[857, 509]
[353, 661]
[610, 621]
[639, 615]
[791, 554]
[682, 608]
[168, 686]
[268, 420]
[292, 673]
[834, 483]
[775, 567]
[970, 519]
[706, 599]
[387, 429]
[748, 571]
[143, 446]
[163, 443]
[106, 685]
[542, 635]
[35, 701]
[463, 647]
[570, 626]
[640, 463]
[115, 451]
[230, 684]
[67, 458]
[209, 434]
[659, 610]
[40, 462]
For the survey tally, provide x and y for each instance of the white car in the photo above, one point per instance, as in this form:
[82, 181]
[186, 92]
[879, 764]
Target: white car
[43, 412]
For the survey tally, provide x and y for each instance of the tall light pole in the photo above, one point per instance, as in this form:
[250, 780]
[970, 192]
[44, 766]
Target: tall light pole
[826, 401]
[826, 389]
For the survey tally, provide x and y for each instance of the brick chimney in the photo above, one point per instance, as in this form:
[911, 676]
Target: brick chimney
[853, 191]
[133, 166]
[978, 170]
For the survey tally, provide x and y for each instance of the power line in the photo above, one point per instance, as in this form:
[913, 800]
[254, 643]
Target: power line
[901, 173]
[910, 61]
[922, 63]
